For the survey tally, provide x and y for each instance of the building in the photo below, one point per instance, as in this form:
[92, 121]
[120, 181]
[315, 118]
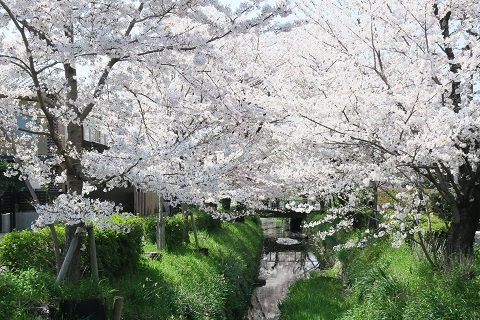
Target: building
[16, 202]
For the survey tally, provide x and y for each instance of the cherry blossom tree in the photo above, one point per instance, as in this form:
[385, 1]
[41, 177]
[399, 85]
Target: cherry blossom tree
[135, 71]
[385, 93]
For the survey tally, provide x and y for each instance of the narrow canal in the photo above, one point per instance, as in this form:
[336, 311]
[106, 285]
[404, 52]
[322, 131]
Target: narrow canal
[285, 259]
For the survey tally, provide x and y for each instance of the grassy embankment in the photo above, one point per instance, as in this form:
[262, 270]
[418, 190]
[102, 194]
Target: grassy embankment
[182, 283]
[381, 282]
[185, 284]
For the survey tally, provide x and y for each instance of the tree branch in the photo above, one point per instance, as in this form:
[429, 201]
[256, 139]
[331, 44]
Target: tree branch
[34, 75]
[35, 132]
[368, 142]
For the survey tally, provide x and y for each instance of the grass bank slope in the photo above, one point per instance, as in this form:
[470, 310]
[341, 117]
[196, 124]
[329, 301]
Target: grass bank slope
[381, 282]
[180, 283]
[186, 284]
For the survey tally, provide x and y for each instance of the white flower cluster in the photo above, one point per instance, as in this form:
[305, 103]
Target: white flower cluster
[299, 207]
[345, 224]
[228, 216]
[352, 243]
[403, 220]
[73, 209]
[327, 218]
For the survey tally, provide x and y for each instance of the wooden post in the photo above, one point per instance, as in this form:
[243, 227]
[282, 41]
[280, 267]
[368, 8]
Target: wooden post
[117, 308]
[186, 238]
[68, 258]
[93, 254]
[194, 228]
[161, 242]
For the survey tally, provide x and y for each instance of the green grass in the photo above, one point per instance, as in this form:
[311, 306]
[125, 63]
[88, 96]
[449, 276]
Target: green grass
[387, 283]
[382, 282]
[317, 298]
[185, 284]
[182, 283]
[396, 285]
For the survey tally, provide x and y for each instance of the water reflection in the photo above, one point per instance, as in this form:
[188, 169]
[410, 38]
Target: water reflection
[284, 261]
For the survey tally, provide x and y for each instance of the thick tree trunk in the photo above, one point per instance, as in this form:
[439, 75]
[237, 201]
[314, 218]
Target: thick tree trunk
[56, 247]
[226, 202]
[74, 271]
[75, 185]
[461, 234]
[71, 257]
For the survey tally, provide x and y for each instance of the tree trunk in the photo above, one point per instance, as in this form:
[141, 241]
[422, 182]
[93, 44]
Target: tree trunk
[461, 234]
[74, 271]
[56, 247]
[75, 185]
[161, 241]
[93, 254]
[226, 202]
[71, 255]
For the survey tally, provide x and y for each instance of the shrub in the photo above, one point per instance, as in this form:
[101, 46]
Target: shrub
[29, 249]
[8, 293]
[174, 227]
[150, 228]
[117, 251]
[174, 230]
[204, 221]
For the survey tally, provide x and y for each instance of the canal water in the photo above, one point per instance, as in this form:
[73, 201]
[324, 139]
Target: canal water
[285, 259]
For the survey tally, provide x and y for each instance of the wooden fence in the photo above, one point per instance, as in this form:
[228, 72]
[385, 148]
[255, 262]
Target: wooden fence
[145, 203]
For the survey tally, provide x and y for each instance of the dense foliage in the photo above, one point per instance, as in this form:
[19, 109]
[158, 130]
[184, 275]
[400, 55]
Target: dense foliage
[19, 290]
[118, 251]
[180, 283]
[28, 249]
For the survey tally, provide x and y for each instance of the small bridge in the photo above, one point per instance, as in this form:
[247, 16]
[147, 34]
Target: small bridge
[279, 213]
[296, 218]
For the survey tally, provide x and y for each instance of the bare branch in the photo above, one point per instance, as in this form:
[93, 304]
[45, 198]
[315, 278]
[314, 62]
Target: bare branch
[367, 142]
[35, 132]
[16, 61]
[46, 100]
